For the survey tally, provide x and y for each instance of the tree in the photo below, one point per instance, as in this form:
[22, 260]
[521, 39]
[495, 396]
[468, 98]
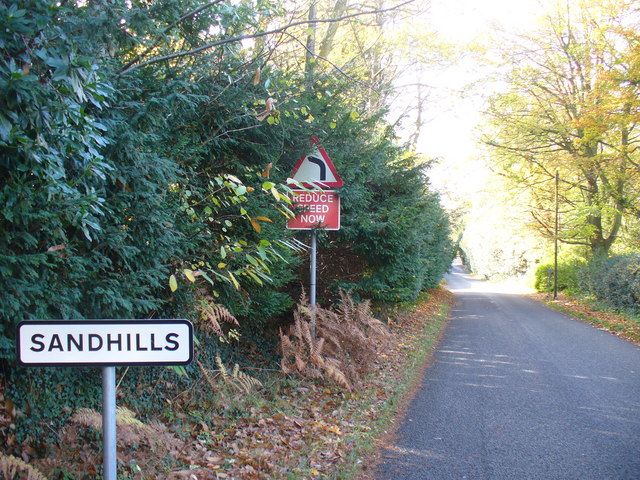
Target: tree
[143, 149]
[566, 109]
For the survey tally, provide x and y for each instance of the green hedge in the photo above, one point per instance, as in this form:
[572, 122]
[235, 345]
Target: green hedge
[110, 183]
[568, 277]
[612, 281]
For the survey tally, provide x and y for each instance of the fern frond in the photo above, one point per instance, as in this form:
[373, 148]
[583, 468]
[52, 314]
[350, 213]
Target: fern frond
[213, 314]
[221, 367]
[306, 332]
[337, 376]
[300, 364]
[235, 379]
[87, 417]
[298, 326]
[317, 348]
[304, 300]
[284, 367]
[248, 383]
[206, 375]
[124, 416]
[317, 360]
[13, 467]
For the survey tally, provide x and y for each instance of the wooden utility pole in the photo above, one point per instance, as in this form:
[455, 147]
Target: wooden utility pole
[555, 237]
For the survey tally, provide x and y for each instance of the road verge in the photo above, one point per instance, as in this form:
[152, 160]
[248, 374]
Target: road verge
[280, 427]
[621, 325]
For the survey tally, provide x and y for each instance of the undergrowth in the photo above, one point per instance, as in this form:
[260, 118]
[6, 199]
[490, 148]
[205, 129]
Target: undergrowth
[243, 422]
[348, 341]
[14, 468]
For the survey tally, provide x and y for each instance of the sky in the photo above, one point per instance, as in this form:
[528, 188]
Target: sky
[460, 89]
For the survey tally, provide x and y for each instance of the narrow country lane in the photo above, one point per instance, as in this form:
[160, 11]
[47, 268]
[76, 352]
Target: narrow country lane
[518, 391]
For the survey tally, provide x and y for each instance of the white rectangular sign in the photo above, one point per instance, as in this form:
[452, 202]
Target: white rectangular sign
[104, 342]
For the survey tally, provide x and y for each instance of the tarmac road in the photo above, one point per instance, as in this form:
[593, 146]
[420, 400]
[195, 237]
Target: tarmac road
[518, 391]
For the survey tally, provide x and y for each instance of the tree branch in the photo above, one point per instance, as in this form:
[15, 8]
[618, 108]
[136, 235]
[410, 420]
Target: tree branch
[315, 55]
[128, 68]
[169, 28]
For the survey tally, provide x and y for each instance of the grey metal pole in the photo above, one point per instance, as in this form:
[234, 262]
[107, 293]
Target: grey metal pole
[109, 422]
[312, 282]
[555, 253]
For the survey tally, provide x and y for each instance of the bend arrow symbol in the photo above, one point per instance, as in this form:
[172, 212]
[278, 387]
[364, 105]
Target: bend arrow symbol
[321, 164]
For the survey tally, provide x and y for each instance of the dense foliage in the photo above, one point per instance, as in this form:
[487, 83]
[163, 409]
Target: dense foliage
[570, 105]
[568, 277]
[138, 181]
[394, 239]
[614, 282]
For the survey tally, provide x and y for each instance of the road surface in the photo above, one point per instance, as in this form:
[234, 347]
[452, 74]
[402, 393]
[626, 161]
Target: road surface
[519, 392]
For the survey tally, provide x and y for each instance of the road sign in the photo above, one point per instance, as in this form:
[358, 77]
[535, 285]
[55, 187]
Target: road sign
[317, 209]
[316, 169]
[104, 342]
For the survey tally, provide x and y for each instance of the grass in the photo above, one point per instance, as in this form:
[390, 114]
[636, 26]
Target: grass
[419, 343]
[622, 324]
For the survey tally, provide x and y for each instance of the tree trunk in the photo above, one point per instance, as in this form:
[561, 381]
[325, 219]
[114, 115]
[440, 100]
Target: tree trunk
[327, 42]
[310, 60]
[375, 68]
[413, 140]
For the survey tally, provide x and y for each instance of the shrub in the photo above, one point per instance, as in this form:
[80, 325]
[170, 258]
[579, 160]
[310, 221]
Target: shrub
[14, 468]
[147, 448]
[568, 277]
[615, 281]
[154, 194]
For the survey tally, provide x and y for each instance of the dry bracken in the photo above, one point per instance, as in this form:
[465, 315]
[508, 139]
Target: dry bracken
[80, 451]
[212, 315]
[90, 418]
[236, 379]
[348, 342]
[14, 468]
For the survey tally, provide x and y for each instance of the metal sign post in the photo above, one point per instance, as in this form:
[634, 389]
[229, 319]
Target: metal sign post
[312, 282]
[110, 457]
[319, 207]
[555, 239]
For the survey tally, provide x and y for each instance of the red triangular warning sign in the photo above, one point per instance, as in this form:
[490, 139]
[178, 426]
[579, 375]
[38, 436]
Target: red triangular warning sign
[316, 169]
